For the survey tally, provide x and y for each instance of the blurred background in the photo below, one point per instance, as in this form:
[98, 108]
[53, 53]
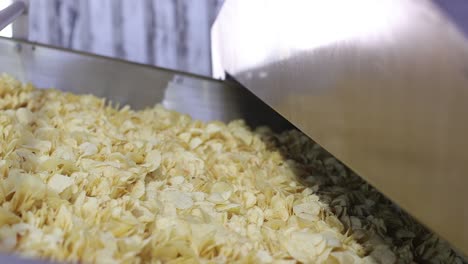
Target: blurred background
[169, 33]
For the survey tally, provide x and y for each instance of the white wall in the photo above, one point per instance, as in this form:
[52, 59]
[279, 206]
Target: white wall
[166, 33]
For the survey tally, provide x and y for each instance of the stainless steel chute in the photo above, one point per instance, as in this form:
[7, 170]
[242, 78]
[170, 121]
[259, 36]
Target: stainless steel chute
[134, 84]
[382, 85]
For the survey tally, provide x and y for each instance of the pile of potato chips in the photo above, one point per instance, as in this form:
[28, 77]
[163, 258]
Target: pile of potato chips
[83, 181]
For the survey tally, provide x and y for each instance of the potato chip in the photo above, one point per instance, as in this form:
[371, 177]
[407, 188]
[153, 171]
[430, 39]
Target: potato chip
[88, 149]
[59, 182]
[179, 199]
[308, 211]
[24, 116]
[153, 160]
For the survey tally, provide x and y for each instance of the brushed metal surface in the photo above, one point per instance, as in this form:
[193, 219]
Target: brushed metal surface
[382, 85]
[134, 84]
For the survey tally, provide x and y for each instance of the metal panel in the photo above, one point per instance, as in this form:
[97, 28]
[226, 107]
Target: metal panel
[134, 84]
[382, 85]
[127, 83]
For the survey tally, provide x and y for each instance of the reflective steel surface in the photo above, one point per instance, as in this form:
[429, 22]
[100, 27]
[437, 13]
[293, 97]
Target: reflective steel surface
[382, 85]
[134, 84]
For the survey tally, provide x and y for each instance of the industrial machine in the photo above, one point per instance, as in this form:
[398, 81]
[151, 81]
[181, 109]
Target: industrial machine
[382, 85]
